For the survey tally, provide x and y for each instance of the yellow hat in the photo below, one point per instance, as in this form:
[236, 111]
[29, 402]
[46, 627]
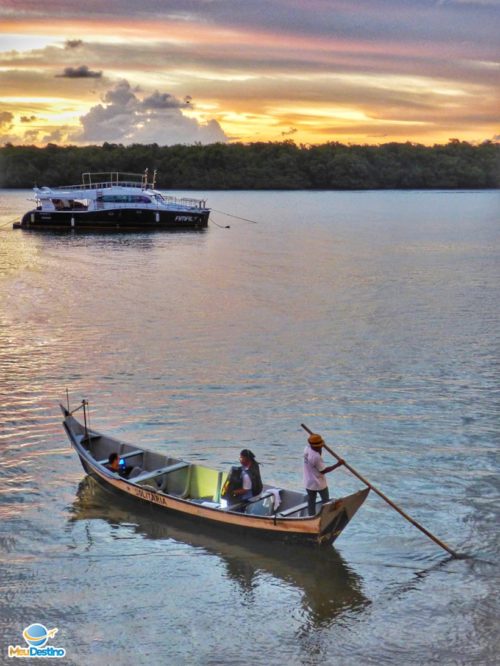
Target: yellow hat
[316, 440]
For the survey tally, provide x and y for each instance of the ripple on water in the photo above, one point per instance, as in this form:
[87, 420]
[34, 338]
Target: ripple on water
[375, 324]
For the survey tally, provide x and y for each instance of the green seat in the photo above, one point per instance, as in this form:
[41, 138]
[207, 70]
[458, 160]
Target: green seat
[204, 483]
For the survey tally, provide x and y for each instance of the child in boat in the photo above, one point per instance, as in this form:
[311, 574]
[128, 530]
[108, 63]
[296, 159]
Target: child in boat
[114, 465]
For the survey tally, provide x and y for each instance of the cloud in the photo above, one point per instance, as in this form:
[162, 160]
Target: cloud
[27, 119]
[262, 68]
[6, 118]
[31, 136]
[163, 101]
[82, 72]
[126, 118]
[54, 137]
[120, 96]
[72, 43]
[450, 21]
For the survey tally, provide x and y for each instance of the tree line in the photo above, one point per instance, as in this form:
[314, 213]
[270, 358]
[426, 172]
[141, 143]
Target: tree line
[262, 166]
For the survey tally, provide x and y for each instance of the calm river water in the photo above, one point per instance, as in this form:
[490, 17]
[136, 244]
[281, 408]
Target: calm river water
[372, 317]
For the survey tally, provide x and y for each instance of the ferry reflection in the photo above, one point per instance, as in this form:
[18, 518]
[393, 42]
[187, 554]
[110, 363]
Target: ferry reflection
[112, 239]
[329, 587]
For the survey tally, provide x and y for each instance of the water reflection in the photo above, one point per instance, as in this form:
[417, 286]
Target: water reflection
[113, 238]
[329, 588]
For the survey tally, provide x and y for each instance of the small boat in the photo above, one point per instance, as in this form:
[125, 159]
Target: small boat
[194, 491]
[112, 202]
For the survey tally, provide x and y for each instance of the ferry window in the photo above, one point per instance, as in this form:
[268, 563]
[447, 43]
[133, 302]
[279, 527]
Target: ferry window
[124, 198]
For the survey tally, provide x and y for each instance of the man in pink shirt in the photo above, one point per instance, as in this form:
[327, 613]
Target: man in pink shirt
[314, 472]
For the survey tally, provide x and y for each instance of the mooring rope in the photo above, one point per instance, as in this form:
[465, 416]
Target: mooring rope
[221, 226]
[4, 224]
[245, 219]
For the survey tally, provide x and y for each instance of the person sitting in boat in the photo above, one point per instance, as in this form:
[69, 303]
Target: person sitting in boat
[314, 472]
[115, 465]
[251, 482]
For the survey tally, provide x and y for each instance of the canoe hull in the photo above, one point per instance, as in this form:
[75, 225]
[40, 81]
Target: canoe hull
[321, 529]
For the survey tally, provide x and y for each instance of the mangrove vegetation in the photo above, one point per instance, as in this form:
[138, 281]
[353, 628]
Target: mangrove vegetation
[262, 166]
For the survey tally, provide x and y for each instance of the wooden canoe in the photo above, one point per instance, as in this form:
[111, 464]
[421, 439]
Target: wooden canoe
[194, 491]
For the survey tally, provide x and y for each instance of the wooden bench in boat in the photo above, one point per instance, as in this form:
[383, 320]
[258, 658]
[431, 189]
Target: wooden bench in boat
[295, 509]
[146, 476]
[124, 456]
[255, 506]
[89, 437]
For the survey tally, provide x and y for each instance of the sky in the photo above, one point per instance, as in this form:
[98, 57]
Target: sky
[311, 71]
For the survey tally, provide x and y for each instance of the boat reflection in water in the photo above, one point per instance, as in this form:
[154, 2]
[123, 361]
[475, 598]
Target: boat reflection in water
[328, 586]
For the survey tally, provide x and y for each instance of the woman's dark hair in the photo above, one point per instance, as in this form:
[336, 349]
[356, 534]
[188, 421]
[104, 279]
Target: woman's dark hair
[246, 453]
[112, 457]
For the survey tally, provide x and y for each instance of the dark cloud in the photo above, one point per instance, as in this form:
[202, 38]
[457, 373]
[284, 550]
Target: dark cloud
[82, 72]
[72, 43]
[57, 136]
[163, 101]
[424, 22]
[6, 118]
[27, 119]
[31, 136]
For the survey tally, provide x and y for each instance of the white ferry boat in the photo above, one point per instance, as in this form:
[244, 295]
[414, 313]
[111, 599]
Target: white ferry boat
[110, 202]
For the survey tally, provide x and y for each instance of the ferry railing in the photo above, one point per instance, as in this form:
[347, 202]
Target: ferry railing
[184, 201]
[179, 201]
[201, 205]
[104, 185]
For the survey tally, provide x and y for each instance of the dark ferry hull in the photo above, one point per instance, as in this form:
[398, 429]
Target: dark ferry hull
[122, 219]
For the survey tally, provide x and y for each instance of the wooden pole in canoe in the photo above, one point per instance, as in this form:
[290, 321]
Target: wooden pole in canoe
[386, 499]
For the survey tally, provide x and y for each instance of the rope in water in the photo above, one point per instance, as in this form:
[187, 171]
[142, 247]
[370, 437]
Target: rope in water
[15, 219]
[221, 226]
[236, 217]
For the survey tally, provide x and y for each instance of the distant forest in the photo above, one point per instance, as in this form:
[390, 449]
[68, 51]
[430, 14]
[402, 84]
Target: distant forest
[262, 166]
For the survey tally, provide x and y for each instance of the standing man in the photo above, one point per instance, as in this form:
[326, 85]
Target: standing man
[314, 472]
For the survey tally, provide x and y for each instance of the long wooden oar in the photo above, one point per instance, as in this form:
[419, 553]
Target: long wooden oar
[386, 499]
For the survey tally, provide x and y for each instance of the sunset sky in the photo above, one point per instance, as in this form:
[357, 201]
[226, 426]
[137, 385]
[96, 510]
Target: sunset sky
[181, 71]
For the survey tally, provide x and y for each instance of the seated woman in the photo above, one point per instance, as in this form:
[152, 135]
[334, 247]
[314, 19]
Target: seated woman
[251, 482]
